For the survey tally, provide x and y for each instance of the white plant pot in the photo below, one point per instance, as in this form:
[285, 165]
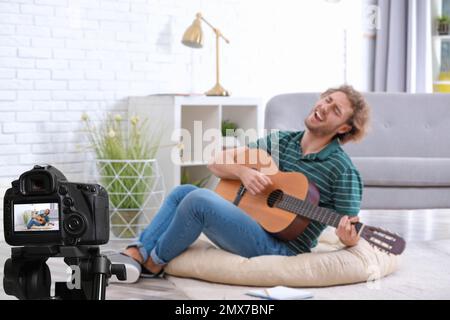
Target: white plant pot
[135, 189]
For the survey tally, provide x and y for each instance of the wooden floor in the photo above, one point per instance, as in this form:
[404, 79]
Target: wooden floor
[413, 225]
[417, 226]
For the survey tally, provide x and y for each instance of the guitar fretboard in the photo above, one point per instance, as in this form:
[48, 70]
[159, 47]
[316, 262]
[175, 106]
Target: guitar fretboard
[310, 211]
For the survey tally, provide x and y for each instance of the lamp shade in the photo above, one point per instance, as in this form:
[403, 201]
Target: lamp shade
[193, 36]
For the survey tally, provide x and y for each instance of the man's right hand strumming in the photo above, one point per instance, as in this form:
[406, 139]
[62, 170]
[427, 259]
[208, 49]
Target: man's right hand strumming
[225, 166]
[254, 181]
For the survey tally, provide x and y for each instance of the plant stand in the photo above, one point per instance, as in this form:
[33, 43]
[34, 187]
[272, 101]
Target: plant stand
[136, 191]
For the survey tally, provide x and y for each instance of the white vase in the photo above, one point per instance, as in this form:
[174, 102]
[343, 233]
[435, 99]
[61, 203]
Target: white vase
[136, 191]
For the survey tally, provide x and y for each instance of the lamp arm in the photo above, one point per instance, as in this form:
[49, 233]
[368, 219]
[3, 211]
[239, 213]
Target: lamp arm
[217, 31]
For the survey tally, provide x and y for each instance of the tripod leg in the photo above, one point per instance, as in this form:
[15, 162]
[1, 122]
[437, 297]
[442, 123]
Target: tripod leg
[99, 288]
[101, 269]
[95, 271]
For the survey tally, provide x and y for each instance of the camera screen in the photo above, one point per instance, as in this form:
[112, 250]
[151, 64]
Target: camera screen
[36, 217]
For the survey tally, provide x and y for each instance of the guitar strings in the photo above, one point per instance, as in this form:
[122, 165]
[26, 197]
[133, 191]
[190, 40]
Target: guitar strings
[272, 197]
[286, 197]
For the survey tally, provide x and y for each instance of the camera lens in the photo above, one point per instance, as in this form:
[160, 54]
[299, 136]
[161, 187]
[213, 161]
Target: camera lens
[74, 225]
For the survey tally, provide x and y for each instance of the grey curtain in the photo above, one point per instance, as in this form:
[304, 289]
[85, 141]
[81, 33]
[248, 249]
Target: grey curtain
[401, 55]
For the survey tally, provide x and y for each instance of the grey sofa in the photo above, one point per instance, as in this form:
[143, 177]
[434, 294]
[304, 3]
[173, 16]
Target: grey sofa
[405, 159]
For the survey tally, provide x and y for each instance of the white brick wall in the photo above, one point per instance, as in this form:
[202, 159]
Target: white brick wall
[60, 58]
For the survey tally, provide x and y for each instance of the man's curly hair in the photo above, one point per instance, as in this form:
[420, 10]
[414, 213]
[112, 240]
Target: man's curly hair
[360, 119]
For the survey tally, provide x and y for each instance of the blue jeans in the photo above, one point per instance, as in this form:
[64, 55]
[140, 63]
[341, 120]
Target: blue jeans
[33, 222]
[188, 211]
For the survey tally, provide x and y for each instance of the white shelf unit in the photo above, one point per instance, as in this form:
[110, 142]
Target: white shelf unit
[438, 40]
[196, 114]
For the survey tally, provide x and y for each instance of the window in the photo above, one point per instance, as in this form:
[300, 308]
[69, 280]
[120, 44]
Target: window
[296, 45]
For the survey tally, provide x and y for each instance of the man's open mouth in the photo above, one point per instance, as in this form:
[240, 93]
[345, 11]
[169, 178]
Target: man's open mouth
[318, 116]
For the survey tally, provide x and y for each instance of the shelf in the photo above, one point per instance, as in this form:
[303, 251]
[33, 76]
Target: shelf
[193, 163]
[443, 37]
[198, 175]
[197, 119]
[441, 82]
[206, 100]
[245, 117]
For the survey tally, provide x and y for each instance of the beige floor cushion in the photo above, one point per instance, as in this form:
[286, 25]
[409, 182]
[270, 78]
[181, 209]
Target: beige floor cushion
[329, 264]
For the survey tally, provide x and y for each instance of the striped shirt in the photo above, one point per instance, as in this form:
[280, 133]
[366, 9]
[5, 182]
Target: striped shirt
[332, 171]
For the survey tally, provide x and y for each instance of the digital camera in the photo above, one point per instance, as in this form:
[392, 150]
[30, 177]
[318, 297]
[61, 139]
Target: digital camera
[42, 208]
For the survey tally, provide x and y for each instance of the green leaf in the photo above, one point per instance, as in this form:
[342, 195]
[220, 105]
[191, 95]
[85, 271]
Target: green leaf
[227, 127]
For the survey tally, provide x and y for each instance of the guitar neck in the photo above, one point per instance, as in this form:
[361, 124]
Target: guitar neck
[311, 211]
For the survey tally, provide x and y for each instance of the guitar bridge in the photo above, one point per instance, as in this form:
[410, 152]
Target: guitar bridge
[239, 194]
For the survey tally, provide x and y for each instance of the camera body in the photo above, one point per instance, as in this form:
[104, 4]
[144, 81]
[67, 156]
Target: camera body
[43, 209]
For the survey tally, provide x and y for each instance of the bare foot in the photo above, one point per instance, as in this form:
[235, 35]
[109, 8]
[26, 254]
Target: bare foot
[134, 253]
[153, 267]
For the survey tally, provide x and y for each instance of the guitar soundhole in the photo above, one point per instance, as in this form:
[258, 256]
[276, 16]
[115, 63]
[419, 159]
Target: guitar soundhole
[274, 197]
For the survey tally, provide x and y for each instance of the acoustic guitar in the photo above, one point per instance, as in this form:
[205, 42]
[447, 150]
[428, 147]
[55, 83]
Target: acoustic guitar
[286, 207]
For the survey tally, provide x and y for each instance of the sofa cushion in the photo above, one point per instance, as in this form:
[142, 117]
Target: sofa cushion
[329, 264]
[403, 124]
[404, 172]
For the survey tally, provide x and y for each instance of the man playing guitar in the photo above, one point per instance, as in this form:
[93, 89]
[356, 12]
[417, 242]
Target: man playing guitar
[340, 115]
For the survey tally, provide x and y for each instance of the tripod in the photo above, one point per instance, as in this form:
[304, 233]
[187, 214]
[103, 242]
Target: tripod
[27, 276]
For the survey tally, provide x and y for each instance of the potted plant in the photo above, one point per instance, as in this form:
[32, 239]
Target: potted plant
[229, 139]
[126, 166]
[443, 25]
